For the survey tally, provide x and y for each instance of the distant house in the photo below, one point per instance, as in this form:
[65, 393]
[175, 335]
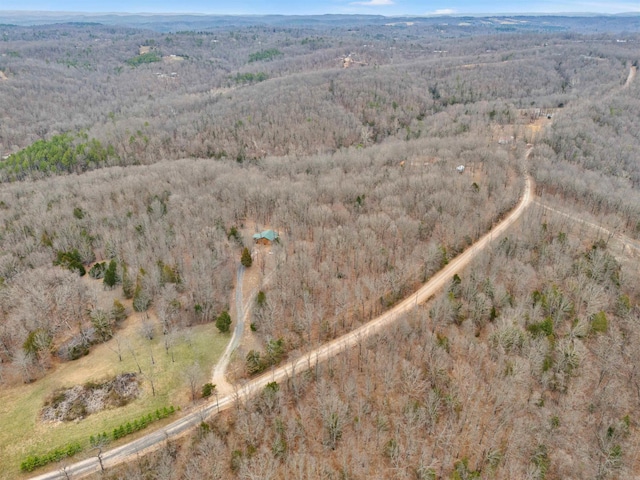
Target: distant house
[265, 238]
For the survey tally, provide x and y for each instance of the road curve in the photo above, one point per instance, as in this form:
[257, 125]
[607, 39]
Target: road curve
[181, 426]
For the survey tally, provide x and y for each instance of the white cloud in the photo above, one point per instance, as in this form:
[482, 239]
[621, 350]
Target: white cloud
[374, 3]
[443, 11]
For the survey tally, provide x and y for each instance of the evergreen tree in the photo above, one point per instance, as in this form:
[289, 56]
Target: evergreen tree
[246, 258]
[223, 322]
[111, 274]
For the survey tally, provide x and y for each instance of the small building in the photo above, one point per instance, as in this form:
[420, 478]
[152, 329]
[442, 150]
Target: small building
[460, 168]
[265, 238]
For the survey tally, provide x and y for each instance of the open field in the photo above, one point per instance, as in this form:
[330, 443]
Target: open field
[23, 433]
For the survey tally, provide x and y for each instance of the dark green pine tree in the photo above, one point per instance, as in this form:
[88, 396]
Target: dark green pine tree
[246, 258]
[111, 275]
[223, 322]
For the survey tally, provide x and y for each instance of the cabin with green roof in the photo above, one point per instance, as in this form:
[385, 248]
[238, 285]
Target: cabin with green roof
[265, 238]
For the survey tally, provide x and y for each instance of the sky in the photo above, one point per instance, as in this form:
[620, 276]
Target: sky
[314, 7]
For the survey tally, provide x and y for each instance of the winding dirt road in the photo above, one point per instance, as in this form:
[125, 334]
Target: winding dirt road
[220, 368]
[183, 425]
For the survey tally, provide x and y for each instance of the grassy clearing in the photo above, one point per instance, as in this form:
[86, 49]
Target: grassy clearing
[22, 432]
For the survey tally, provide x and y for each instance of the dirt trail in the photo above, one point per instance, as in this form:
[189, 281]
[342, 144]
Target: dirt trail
[625, 241]
[633, 71]
[244, 302]
[218, 378]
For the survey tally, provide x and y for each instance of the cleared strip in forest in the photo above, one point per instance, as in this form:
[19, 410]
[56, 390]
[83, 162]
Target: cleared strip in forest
[632, 75]
[182, 426]
[626, 241]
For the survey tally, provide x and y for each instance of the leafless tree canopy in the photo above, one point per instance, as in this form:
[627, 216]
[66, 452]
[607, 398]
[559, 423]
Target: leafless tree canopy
[345, 139]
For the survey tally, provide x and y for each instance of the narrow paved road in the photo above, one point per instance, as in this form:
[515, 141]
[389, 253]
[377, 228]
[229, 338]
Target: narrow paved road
[156, 439]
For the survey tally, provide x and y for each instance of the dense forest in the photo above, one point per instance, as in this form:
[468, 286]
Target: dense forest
[491, 382]
[136, 164]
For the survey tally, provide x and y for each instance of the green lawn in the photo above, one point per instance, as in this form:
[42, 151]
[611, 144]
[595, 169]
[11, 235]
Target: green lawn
[22, 432]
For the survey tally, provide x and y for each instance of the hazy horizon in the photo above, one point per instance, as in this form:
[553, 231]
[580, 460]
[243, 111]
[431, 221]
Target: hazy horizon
[291, 7]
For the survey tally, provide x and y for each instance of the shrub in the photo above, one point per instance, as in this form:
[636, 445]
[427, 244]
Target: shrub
[149, 57]
[275, 350]
[545, 327]
[169, 273]
[32, 462]
[98, 270]
[78, 213]
[118, 312]
[74, 348]
[99, 440]
[103, 325]
[236, 460]
[461, 470]
[127, 283]
[46, 239]
[208, 389]
[599, 323]
[77, 411]
[233, 233]
[71, 261]
[250, 77]
[254, 362]
[37, 340]
[541, 460]
[623, 305]
[141, 423]
[271, 388]
[269, 54]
